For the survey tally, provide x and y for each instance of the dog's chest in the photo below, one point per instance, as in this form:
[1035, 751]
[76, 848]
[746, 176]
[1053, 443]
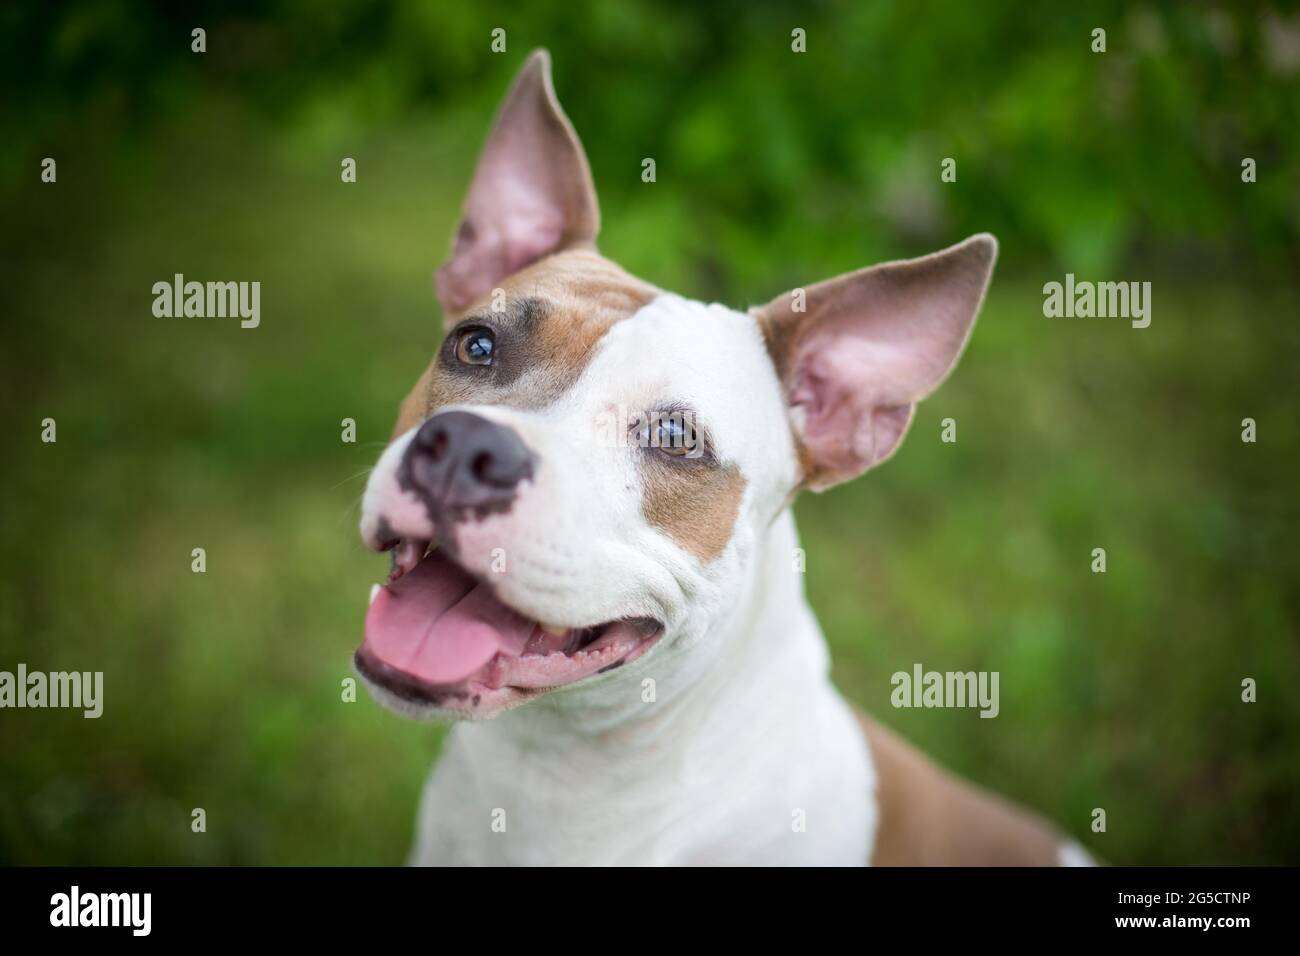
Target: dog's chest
[802, 796]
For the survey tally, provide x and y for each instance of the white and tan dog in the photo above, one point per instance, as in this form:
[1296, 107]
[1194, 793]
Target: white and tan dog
[587, 499]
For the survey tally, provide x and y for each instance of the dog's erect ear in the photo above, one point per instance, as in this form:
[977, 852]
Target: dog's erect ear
[867, 347]
[531, 195]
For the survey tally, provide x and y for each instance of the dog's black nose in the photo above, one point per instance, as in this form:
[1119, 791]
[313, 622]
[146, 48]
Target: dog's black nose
[462, 460]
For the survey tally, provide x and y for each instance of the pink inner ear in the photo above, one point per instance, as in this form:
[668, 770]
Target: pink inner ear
[852, 416]
[489, 248]
[531, 194]
[872, 344]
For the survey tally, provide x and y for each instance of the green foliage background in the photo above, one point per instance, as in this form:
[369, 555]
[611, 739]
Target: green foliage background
[1119, 691]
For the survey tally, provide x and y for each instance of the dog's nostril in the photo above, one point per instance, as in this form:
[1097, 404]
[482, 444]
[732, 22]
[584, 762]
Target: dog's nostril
[481, 467]
[438, 447]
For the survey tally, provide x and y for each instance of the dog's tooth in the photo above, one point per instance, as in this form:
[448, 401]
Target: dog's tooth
[553, 629]
[405, 556]
[374, 592]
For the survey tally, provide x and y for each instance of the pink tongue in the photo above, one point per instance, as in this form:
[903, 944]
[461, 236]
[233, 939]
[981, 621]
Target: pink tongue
[437, 624]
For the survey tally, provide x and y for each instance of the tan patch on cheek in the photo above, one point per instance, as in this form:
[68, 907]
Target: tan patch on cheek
[695, 506]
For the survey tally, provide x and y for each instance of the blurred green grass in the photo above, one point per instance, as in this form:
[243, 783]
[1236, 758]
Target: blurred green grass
[223, 689]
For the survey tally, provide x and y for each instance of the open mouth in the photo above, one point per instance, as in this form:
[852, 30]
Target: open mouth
[437, 635]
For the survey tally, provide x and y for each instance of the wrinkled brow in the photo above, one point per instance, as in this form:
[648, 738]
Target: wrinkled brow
[521, 315]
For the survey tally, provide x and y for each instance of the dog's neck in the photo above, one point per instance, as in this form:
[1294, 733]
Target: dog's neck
[746, 713]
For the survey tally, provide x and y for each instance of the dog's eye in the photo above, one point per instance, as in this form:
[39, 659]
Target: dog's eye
[475, 347]
[673, 433]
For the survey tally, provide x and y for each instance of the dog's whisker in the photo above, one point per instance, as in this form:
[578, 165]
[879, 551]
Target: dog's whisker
[365, 472]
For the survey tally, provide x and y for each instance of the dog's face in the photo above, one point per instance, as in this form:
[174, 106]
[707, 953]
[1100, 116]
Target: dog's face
[577, 485]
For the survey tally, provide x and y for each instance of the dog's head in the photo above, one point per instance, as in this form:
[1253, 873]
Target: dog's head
[578, 483]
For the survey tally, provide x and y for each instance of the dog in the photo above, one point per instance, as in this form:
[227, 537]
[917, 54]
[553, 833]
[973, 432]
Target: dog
[586, 499]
